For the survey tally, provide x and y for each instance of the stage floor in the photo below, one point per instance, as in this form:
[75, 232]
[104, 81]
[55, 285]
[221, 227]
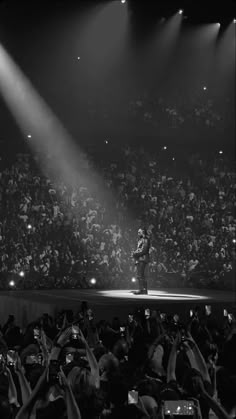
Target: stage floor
[28, 305]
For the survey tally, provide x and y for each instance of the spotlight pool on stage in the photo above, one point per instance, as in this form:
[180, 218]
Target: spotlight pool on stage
[153, 295]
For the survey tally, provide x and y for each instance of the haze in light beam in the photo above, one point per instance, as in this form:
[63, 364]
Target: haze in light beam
[103, 40]
[226, 55]
[49, 137]
[162, 48]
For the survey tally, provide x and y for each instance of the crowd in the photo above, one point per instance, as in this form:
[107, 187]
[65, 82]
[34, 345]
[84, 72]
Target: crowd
[159, 111]
[55, 236]
[153, 365]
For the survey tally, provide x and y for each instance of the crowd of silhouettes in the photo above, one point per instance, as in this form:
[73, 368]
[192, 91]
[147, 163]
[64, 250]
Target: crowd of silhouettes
[152, 365]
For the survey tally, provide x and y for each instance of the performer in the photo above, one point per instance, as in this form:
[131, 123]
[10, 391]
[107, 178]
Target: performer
[141, 256]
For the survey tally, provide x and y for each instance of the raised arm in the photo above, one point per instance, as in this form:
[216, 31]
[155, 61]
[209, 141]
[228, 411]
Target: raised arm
[190, 356]
[172, 359]
[72, 408]
[12, 393]
[91, 360]
[25, 411]
[212, 403]
[202, 366]
[153, 346]
[24, 384]
[61, 340]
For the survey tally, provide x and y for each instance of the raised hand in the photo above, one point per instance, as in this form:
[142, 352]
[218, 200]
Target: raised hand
[189, 339]
[43, 339]
[81, 335]
[64, 336]
[65, 323]
[177, 340]
[198, 385]
[18, 365]
[62, 379]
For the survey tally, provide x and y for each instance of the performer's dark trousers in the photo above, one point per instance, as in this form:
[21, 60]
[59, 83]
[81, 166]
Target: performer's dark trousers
[142, 281]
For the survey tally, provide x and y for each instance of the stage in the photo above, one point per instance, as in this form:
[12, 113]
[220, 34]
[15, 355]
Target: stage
[29, 305]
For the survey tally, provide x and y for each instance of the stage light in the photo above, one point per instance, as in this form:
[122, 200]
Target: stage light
[180, 11]
[106, 141]
[220, 152]
[218, 24]
[12, 283]
[29, 136]
[234, 241]
[93, 281]
[22, 274]
[234, 20]
[29, 226]
[78, 58]
[133, 279]
[123, 1]
[204, 88]
[165, 148]
[173, 158]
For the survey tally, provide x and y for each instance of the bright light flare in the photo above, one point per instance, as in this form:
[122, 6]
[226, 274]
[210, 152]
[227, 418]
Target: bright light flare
[165, 148]
[22, 274]
[12, 283]
[220, 152]
[123, 1]
[180, 11]
[29, 226]
[29, 136]
[204, 88]
[234, 21]
[133, 279]
[93, 281]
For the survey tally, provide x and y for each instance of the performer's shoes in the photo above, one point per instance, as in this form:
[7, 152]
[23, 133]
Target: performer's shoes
[140, 292]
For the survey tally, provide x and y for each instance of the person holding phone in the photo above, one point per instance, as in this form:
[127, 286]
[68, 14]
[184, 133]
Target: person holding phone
[141, 256]
[46, 392]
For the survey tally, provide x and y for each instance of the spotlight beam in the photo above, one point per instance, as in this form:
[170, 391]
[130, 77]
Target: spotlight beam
[48, 135]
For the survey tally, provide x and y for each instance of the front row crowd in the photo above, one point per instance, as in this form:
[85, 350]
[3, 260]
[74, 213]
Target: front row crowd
[153, 365]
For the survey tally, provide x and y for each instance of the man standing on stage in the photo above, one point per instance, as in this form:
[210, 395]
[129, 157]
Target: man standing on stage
[141, 256]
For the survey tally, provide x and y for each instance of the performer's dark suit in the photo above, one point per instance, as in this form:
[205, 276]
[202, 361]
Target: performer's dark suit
[141, 256]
